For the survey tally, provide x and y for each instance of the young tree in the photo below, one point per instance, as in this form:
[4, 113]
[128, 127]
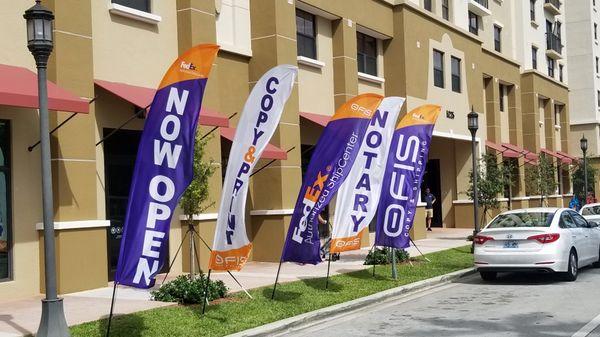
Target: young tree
[491, 180]
[193, 199]
[579, 178]
[541, 179]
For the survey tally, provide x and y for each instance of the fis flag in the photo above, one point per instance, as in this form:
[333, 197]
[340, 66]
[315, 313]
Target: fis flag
[403, 175]
[329, 166]
[358, 197]
[163, 168]
[257, 124]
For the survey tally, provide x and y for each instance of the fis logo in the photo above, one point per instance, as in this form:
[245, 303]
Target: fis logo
[187, 66]
[310, 198]
[361, 109]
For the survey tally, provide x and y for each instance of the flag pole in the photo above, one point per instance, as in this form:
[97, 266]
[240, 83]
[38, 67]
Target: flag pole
[420, 252]
[112, 307]
[206, 292]
[277, 277]
[174, 257]
[328, 266]
[371, 250]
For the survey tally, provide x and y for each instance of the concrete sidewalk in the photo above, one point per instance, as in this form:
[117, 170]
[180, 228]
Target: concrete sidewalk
[21, 318]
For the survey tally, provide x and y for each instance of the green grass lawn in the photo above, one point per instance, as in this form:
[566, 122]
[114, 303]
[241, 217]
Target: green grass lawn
[240, 313]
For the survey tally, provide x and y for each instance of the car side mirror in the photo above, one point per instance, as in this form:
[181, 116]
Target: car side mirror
[593, 224]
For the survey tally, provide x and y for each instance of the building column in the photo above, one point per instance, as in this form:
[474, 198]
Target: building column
[74, 154]
[276, 187]
[549, 130]
[345, 68]
[492, 109]
[531, 118]
[515, 121]
[196, 24]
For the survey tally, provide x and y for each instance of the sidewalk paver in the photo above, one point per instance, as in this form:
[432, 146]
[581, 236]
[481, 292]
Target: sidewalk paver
[21, 317]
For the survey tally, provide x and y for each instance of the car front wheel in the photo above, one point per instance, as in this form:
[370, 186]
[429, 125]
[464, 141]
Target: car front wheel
[571, 274]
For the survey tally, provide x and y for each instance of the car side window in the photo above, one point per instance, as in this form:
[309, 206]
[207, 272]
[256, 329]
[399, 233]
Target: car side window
[566, 221]
[579, 220]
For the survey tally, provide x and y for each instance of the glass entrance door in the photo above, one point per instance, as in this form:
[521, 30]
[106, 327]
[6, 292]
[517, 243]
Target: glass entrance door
[5, 207]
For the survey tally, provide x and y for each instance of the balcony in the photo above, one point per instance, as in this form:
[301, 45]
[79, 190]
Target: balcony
[553, 46]
[480, 7]
[552, 6]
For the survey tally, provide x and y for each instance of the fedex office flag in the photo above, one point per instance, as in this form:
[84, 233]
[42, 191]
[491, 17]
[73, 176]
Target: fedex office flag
[403, 175]
[257, 124]
[163, 168]
[329, 166]
[358, 197]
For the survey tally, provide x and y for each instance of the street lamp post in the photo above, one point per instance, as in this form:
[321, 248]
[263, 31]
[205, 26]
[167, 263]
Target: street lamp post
[583, 143]
[473, 124]
[40, 44]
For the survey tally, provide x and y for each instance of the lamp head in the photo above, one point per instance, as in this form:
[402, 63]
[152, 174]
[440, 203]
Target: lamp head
[39, 32]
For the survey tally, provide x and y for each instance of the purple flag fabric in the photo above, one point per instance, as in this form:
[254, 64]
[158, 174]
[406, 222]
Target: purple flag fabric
[329, 166]
[403, 175]
[163, 168]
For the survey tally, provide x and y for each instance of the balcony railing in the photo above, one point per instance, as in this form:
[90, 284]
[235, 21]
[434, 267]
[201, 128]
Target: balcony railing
[555, 3]
[554, 42]
[484, 3]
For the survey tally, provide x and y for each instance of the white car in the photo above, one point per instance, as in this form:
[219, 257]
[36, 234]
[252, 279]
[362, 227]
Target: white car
[591, 212]
[539, 239]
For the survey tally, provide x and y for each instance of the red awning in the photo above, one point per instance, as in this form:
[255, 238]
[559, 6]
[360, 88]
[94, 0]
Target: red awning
[271, 152]
[506, 153]
[550, 153]
[531, 158]
[322, 120]
[142, 97]
[567, 156]
[19, 87]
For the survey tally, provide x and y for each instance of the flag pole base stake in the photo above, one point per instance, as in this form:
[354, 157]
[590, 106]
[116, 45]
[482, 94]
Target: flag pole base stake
[206, 292]
[276, 279]
[112, 308]
[420, 252]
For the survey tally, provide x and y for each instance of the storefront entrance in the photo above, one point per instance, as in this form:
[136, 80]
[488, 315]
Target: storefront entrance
[5, 211]
[432, 180]
[120, 151]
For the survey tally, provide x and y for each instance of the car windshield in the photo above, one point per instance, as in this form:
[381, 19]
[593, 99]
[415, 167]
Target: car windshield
[591, 210]
[525, 219]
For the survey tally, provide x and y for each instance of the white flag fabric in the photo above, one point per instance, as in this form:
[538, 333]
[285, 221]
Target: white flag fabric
[358, 196]
[259, 119]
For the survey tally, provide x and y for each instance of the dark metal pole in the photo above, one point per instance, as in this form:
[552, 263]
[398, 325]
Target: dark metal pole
[206, 291]
[394, 268]
[328, 267]
[276, 278]
[53, 322]
[112, 308]
[585, 177]
[475, 192]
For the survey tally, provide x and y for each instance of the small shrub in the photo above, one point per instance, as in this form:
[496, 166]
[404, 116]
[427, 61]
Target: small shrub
[382, 256]
[189, 291]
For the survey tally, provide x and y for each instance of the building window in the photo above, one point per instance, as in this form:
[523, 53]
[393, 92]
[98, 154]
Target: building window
[366, 54]
[595, 31]
[455, 65]
[427, 5]
[550, 67]
[597, 64]
[473, 23]
[140, 5]
[599, 98]
[438, 68]
[560, 73]
[502, 95]
[306, 34]
[233, 27]
[497, 38]
[446, 9]
[532, 10]
[534, 53]
[5, 203]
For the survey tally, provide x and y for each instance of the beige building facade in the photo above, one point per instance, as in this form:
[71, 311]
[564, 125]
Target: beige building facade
[113, 54]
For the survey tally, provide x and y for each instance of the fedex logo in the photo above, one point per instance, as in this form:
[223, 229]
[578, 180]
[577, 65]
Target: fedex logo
[310, 198]
[349, 243]
[187, 66]
[405, 180]
[228, 260]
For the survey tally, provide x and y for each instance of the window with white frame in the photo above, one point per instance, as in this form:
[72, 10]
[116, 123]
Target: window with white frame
[233, 26]
[140, 5]
[366, 54]
[456, 78]
[438, 68]
[446, 9]
[306, 36]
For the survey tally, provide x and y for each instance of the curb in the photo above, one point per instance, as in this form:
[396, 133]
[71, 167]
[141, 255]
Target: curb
[331, 311]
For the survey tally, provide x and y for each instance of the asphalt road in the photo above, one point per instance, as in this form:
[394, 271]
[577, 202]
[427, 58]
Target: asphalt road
[513, 305]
